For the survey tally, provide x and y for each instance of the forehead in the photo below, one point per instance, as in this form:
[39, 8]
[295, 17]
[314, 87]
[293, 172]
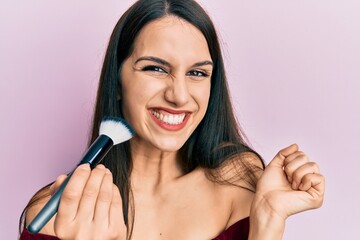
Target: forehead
[169, 37]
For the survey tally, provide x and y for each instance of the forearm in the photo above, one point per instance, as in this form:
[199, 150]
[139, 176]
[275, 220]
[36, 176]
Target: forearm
[264, 223]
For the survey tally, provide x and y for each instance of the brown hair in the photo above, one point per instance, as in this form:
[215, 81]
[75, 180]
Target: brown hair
[217, 140]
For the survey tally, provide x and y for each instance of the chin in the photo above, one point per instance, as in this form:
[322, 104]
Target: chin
[169, 145]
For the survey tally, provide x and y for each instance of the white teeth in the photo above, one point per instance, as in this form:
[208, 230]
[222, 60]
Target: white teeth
[172, 119]
[165, 119]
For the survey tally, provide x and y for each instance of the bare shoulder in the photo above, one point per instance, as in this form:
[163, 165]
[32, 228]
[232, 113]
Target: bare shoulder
[42, 197]
[237, 180]
[242, 170]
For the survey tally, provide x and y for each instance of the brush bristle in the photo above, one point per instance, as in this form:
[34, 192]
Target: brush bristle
[117, 129]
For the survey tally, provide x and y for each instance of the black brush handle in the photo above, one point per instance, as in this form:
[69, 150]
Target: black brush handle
[96, 152]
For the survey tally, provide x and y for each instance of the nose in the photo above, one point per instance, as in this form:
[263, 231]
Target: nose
[177, 92]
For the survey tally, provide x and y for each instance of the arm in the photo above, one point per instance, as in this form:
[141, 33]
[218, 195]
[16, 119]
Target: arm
[264, 223]
[290, 184]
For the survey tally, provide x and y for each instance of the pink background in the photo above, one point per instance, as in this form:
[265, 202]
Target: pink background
[293, 68]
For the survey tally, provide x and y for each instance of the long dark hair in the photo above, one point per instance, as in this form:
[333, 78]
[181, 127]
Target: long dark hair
[217, 140]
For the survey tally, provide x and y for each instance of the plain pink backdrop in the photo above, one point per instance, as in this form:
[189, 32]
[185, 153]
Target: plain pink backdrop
[293, 68]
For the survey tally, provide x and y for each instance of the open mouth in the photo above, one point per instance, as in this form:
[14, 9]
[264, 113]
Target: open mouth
[169, 118]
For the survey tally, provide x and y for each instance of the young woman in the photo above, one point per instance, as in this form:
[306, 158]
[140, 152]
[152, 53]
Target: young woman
[188, 173]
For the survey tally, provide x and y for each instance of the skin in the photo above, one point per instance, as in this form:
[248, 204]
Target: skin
[165, 206]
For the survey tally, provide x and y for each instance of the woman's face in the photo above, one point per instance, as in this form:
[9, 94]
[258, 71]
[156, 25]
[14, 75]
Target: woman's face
[166, 83]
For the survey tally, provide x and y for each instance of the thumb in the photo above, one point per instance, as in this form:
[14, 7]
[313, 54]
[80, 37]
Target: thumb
[57, 184]
[278, 160]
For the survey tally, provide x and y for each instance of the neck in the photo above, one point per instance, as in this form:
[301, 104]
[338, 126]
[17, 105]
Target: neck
[153, 169]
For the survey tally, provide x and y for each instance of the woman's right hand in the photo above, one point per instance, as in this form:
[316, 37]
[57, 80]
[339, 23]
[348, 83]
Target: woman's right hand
[90, 206]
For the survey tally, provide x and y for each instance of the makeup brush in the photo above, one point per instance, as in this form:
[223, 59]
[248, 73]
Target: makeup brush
[112, 131]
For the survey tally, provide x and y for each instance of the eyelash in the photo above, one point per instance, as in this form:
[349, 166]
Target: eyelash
[194, 73]
[197, 73]
[154, 68]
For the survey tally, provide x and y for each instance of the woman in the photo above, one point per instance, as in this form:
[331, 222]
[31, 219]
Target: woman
[188, 173]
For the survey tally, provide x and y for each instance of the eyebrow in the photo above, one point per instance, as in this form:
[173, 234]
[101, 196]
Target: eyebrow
[165, 63]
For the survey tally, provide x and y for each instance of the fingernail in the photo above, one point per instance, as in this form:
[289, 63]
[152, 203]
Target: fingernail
[84, 166]
[100, 166]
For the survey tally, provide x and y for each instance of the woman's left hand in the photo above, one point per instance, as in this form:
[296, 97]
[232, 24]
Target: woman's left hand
[290, 184]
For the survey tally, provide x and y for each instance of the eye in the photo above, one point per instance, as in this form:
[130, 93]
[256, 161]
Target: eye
[153, 68]
[197, 73]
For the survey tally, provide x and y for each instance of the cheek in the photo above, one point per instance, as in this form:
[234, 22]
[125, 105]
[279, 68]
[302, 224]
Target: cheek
[133, 103]
[137, 93]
